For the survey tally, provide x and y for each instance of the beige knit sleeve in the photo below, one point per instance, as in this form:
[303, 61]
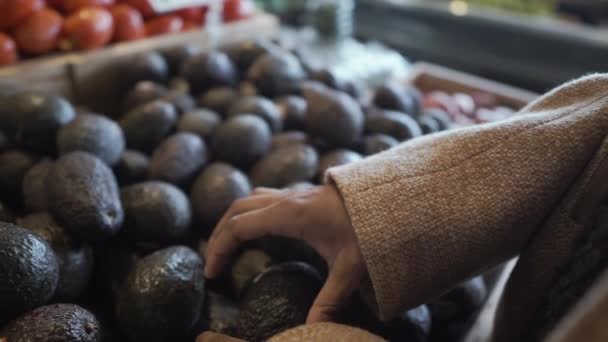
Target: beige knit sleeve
[436, 210]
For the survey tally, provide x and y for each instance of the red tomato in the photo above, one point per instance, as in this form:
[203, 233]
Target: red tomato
[194, 14]
[190, 25]
[39, 33]
[8, 50]
[143, 6]
[163, 25]
[71, 6]
[55, 4]
[87, 29]
[12, 12]
[237, 9]
[128, 23]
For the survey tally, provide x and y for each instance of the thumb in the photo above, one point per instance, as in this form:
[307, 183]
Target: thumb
[343, 280]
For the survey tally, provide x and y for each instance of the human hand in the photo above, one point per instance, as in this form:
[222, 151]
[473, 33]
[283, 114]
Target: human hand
[209, 336]
[316, 215]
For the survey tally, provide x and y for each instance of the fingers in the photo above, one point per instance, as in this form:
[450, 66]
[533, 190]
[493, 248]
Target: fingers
[343, 280]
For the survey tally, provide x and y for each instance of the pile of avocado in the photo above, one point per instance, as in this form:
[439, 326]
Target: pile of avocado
[104, 218]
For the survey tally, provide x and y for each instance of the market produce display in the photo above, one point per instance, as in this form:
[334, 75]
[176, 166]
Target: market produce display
[30, 28]
[110, 213]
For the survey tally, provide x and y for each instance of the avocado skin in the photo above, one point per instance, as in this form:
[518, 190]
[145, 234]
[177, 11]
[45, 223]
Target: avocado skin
[288, 138]
[442, 118]
[55, 322]
[149, 66]
[178, 158]
[413, 325]
[376, 143]
[215, 189]
[32, 120]
[75, 258]
[145, 126]
[276, 73]
[333, 116]
[293, 111]
[95, 134]
[143, 92]
[428, 124]
[218, 99]
[201, 122]
[290, 164]
[258, 106]
[398, 125]
[336, 158]
[30, 271]
[460, 302]
[241, 140]
[276, 300]
[182, 101]
[397, 97]
[163, 295]
[176, 55]
[132, 167]
[155, 212]
[34, 187]
[245, 54]
[83, 196]
[207, 70]
[14, 164]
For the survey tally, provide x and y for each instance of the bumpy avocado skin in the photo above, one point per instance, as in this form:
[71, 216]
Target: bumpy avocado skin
[75, 257]
[201, 122]
[34, 187]
[208, 70]
[276, 300]
[132, 167]
[30, 271]
[218, 99]
[258, 106]
[14, 164]
[241, 140]
[178, 158]
[336, 158]
[54, 323]
[146, 125]
[290, 164]
[276, 73]
[155, 212]
[143, 92]
[293, 111]
[376, 143]
[398, 125]
[163, 296]
[83, 196]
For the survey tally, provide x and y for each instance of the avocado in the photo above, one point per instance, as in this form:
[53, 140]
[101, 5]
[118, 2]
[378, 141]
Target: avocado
[201, 122]
[428, 124]
[182, 101]
[283, 249]
[398, 97]
[276, 73]
[247, 89]
[258, 106]
[14, 164]
[412, 325]
[398, 125]
[162, 297]
[132, 167]
[292, 109]
[442, 118]
[245, 54]
[146, 125]
[276, 300]
[32, 120]
[284, 166]
[29, 271]
[246, 266]
[55, 322]
[144, 92]
[218, 99]
[330, 79]
[155, 213]
[207, 70]
[376, 143]
[178, 159]
[114, 259]
[179, 84]
[460, 302]
[95, 134]
[241, 140]
[176, 55]
[288, 138]
[215, 189]
[147, 66]
[83, 196]
[336, 158]
[75, 258]
[333, 116]
[6, 215]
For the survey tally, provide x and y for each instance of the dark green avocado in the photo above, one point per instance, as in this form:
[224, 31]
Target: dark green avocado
[428, 124]
[95, 134]
[290, 164]
[276, 300]
[32, 120]
[176, 55]
[336, 158]
[245, 54]
[333, 116]
[376, 143]
[29, 271]
[398, 125]
[292, 109]
[413, 325]
[34, 187]
[56, 322]
[460, 302]
[201, 122]
[397, 97]
[143, 92]
[207, 70]
[442, 118]
[178, 159]
[276, 73]
[215, 189]
[241, 140]
[132, 167]
[218, 99]
[288, 138]
[155, 212]
[162, 297]
[75, 257]
[182, 101]
[258, 106]
[83, 196]
[14, 164]
[148, 66]
[147, 125]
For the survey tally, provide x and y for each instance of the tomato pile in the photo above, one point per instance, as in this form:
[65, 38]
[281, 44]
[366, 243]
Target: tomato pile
[31, 28]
